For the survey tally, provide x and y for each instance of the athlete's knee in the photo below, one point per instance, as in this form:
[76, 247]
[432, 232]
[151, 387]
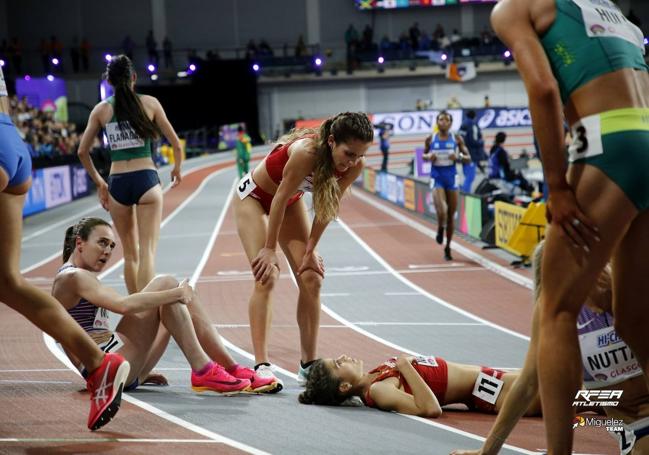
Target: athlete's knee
[163, 282]
[267, 286]
[311, 282]
[10, 283]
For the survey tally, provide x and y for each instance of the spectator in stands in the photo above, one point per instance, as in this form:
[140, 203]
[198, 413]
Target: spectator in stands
[133, 194]
[500, 167]
[424, 42]
[351, 36]
[107, 372]
[415, 34]
[455, 36]
[439, 32]
[75, 54]
[453, 103]
[300, 47]
[264, 48]
[368, 38]
[85, 53]
[385, 45]
[251, 49]
[152, 49]
[128, 46]
[472, 136]
[487, 102]
[167, 52]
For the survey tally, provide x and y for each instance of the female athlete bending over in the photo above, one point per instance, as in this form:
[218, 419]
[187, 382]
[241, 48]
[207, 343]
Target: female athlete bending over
[269, 210]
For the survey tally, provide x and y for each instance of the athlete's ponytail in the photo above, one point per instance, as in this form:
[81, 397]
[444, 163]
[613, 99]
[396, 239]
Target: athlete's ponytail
[82, 230]
[128, 107]
[343, 127]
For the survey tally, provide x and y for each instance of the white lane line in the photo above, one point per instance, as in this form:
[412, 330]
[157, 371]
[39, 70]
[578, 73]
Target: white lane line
[466, 252]
[424, 292]
[59, 354]
[104, 440]
[27, 381]
[432, 266]
[335, 294]
[361, 323]
[77, 217]
[400, 293]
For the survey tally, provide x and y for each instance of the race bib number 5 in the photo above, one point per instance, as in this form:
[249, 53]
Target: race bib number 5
[245, 186]
[487, 388]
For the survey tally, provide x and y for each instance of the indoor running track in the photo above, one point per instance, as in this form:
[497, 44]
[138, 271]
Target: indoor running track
[388, 290]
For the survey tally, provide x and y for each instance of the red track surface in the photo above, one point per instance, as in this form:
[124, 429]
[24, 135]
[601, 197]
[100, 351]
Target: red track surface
[59, 410]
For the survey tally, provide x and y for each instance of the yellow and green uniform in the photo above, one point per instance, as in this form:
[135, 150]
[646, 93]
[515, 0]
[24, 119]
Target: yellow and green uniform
[590, 38]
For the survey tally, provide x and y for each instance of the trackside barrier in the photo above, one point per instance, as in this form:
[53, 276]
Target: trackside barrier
[518, 229]
[53, 186]
[417, 196]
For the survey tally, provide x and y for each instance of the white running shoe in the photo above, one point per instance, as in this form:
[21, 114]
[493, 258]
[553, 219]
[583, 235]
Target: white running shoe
[264, 371]
[303, 375]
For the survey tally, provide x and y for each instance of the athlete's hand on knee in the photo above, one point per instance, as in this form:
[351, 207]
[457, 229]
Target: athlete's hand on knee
[312, 261]
[176, 176]
[264, 264]
[564, 211]
[187, 292]
[102, 194]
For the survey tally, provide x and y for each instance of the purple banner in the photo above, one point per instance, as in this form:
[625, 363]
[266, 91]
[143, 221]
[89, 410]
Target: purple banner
[46, 93]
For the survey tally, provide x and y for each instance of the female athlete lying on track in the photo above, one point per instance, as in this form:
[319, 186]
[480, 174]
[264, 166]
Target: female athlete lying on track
[411, 385]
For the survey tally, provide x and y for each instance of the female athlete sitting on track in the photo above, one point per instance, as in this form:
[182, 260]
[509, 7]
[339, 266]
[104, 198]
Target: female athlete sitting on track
[411, 385]
[607, 364]
[162, 303]
[269, 210]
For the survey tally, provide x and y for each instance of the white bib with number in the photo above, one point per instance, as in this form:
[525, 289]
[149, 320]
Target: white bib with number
[586, 139]
[246, 186]
[125, 138]
[607, 358]
[102, 319]
[487, 388]
[112, 344]
[604, 18]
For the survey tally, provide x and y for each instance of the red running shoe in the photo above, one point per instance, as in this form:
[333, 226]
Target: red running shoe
[105, 385]
[257, 383]
[217, 380]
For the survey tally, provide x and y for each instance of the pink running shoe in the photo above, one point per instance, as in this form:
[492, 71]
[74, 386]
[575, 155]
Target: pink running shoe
[105, 385]
[257, 383]
[216, 379]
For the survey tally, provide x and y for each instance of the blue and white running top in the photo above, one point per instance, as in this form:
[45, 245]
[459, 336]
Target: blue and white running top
[442, 149]
[606, 358]
[90, 317]
[443, 173]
